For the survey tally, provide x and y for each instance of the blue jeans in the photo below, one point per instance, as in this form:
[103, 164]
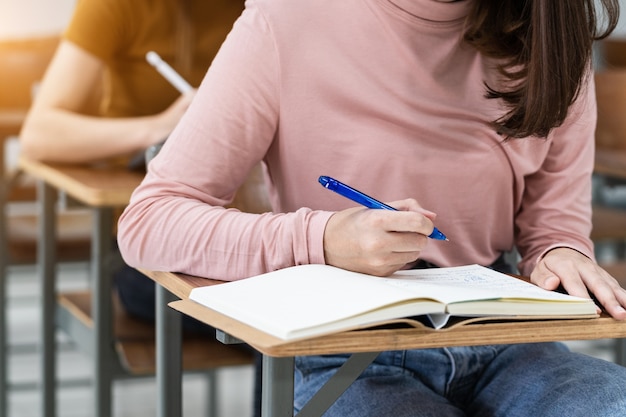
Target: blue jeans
[524, 380]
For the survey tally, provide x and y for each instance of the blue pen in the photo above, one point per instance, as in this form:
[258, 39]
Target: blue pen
[365, 200]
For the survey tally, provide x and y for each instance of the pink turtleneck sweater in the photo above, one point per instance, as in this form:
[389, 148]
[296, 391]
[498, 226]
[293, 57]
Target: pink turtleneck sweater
[380, 94]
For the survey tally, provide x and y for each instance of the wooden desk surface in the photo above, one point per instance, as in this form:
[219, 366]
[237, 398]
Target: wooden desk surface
[179, 284]
[11, 122]
[371, 340]
[96, 186]
[610, 162]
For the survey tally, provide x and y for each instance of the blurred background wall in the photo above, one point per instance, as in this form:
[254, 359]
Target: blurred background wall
[621, 29]
[25, 18]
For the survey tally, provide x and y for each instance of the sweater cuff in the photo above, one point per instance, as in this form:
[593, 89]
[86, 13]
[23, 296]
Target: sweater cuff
[565, 245]
[317, 226]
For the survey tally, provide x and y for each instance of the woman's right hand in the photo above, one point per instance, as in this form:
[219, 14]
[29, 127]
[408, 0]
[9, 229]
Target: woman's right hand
[377, 242]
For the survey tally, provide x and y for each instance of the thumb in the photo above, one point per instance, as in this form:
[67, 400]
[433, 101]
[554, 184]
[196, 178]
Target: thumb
[544, 278]
[411, 204]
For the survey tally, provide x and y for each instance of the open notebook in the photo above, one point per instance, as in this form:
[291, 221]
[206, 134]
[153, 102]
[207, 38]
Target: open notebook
[313, 300]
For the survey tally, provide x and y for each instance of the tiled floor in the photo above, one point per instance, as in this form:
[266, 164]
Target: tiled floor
[137, 397]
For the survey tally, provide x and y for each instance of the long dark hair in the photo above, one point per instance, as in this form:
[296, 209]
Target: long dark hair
[545, 49]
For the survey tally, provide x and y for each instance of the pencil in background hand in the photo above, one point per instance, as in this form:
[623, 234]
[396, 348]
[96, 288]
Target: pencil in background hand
[168, 72]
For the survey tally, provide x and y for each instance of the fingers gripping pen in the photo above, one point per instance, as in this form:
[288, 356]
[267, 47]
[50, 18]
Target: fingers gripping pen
[365, 200]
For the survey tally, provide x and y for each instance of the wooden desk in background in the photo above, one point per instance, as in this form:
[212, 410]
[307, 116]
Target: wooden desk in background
[102, 189]
[364, 345]
[610, 162]
[610, 223]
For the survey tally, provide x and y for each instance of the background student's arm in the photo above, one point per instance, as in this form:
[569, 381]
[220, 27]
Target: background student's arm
[63, 125]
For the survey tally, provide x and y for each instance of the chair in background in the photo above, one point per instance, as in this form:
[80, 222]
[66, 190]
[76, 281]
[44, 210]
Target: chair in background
[609, 211]
[135, 339]
[22, 64]
[609, 216]
[612, 52]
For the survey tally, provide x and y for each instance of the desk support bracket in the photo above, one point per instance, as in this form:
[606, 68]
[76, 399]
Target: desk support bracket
[335, 386]
[226, 338]
[278, 384]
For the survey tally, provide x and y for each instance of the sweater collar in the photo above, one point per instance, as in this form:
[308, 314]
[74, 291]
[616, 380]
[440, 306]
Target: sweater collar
[434, 10]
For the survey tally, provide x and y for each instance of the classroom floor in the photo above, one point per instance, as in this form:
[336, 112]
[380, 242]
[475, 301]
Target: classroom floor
[132, 398]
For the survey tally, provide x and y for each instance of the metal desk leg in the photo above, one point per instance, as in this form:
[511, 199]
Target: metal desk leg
[620, 351]
[278, 384]
[102, 311]
[277, 391]
[169, 354]
[46, 260]
[4, 261]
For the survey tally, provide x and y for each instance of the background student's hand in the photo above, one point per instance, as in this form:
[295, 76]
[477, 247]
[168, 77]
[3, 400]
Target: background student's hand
[165, 121]
[377, 242]
[580, 276]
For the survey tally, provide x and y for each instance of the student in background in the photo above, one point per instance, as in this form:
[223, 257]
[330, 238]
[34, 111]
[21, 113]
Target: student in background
[480, 111]
[100, 99]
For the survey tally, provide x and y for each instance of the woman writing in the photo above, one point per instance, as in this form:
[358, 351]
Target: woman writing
[474, 115]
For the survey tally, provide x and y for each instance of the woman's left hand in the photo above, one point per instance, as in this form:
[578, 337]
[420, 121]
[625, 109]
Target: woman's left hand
[580, 276]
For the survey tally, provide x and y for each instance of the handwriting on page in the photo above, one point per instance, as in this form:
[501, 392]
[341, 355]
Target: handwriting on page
[471, 277]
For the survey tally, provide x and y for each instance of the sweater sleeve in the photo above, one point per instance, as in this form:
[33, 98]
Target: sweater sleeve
[556, 206]
[175, 220]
